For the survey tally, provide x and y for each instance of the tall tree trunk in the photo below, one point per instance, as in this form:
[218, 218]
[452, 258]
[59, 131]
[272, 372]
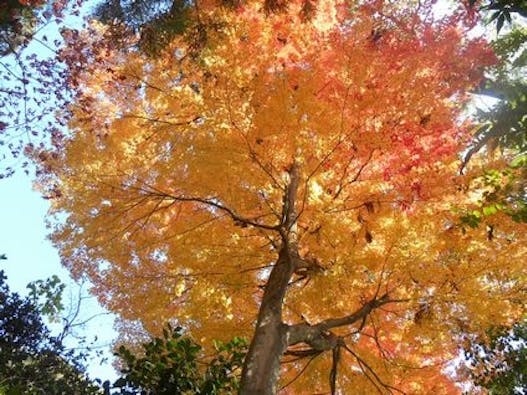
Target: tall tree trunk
[272, 337]
[261, 367]
[262, 364]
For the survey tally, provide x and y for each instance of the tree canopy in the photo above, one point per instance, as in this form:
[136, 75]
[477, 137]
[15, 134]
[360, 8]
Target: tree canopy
[33, 361]
[497, 360]
[17, 23]
[293, 181]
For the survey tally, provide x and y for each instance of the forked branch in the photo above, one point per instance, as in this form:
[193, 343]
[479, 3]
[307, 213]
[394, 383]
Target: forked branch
[306, 333]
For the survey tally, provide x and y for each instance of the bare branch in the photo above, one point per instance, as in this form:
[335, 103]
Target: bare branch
[302, 353]
[367, 368]
[334, 366]
[149, 85]
[485, 133]
[153, 192]
[343, 185]
[252, 269]
[235, 217]
[301, 371]
[342, 321]
[254, 157]
[158, 120]
[252, 152]
[289, 216]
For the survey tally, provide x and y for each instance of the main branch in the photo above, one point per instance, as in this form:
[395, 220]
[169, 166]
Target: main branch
[306, 333]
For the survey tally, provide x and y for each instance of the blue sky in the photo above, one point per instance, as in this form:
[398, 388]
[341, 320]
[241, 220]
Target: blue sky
[23, 234]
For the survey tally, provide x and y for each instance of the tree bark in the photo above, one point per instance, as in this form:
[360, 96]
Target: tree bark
[261, 367]
[262, 364]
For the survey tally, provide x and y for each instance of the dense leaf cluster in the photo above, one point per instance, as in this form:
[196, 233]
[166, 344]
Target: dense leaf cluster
[500, 364]
[279, 177]
[32, 361]
[350, 219]
[17, 22]
[170, 364]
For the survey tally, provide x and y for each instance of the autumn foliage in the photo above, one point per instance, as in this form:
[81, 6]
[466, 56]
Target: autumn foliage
[299, 171]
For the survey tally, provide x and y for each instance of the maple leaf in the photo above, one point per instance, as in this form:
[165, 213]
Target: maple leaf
[295, 183]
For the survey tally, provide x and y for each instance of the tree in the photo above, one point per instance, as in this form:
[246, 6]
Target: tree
[158, 22]
[17, 23]
[34, 82]
[504, 125]
[32, 361]
[501, 10]
[170, 365]
[497, 359]
[295, 182]
[500, 364]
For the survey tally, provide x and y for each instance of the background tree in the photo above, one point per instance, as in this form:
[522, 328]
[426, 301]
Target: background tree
[158, 22]
[501, 11]
[32, 361]
[497, 359]
[503, 126]
[295, 182]
[34, 80]
[499, 364]
[17, 23]
[171, 365]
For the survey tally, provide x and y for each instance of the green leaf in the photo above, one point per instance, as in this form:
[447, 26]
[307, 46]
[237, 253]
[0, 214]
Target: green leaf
[489, 210]
[521, 60]
[472, 219]
[494, 16]
[519, 161]
[501, 20]
[507, 16]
